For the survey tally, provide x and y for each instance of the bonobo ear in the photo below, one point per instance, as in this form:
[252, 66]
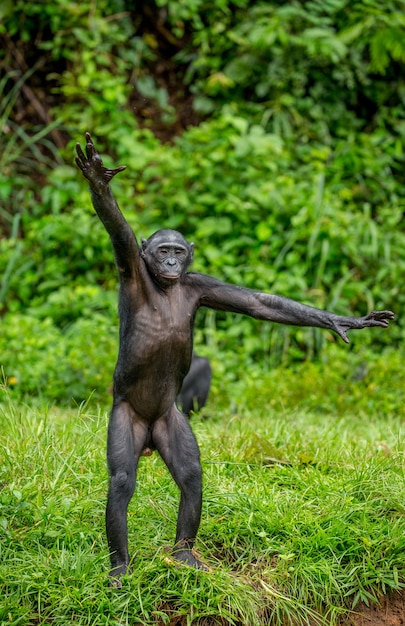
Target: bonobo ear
[191, 244]
[144, 243]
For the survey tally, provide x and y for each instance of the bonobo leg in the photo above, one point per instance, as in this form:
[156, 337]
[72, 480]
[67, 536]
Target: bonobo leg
[126, 438]
[177, 445]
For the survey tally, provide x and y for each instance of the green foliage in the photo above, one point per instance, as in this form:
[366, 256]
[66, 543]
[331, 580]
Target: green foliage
[293, 183]
[283, 160]
[300, 67]
[39, 359]
[21, 153]
[302, 233]
[287, 542]
[360, 382]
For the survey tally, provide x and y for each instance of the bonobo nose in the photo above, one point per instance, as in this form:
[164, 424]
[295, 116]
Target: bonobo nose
[171, 262]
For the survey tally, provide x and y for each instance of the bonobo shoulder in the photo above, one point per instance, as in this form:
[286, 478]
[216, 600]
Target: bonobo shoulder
[200, 278]
[197, 279]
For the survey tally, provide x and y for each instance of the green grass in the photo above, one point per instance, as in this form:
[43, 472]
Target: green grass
[303, 516]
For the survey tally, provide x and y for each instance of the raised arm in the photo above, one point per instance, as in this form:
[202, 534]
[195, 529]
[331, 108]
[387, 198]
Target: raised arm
[125, 246]
[264, 306]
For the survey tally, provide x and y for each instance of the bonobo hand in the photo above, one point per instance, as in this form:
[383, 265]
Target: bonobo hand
[92, 166]
[376, 318]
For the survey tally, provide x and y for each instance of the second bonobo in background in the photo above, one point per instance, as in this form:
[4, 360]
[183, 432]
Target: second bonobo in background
[158, 301]
[196, 385]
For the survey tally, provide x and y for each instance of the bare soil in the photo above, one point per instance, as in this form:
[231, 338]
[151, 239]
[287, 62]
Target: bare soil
[389, 612]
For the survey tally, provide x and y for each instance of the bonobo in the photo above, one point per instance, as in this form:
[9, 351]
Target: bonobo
[196, 385]
[158, 301]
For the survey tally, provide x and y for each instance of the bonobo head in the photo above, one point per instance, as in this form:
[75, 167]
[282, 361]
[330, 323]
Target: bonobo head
[167, 256]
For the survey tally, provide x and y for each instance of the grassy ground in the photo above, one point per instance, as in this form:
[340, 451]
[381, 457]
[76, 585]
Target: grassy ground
[303, 516]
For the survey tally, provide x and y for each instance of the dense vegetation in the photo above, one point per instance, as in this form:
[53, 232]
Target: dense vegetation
[270, 133]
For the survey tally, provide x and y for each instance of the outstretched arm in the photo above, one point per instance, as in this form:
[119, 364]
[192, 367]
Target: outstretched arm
[122, 237]
[264, 306]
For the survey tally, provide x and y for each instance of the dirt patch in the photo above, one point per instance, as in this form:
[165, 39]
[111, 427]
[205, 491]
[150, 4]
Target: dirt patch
[389, 612]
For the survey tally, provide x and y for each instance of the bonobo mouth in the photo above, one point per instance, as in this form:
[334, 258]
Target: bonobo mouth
[170, 276]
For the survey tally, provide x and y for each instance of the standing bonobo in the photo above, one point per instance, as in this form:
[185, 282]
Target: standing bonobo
[158, 300]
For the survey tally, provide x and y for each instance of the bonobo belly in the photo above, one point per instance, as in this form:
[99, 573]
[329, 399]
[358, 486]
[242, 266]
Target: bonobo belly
[150, 371]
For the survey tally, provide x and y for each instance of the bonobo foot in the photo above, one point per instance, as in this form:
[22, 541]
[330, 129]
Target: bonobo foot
[183, 553]
[116, 575]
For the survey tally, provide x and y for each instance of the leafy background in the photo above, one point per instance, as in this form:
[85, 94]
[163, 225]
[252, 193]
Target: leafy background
[269, 133]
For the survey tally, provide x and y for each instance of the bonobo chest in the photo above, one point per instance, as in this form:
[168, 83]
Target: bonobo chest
[157, 317]
[163, 318]
[156, 338]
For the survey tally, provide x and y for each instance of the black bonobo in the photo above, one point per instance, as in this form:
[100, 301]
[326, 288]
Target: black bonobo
[196, 385]
[158, 300]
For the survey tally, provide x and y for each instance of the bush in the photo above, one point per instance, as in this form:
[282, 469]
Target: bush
[60, 366]
[291, 182]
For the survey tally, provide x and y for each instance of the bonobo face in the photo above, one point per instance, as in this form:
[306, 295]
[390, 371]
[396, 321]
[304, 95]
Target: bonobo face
[167, 255]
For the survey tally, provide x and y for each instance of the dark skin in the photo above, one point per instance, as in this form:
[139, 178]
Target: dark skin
[196, 385]
[158, 301]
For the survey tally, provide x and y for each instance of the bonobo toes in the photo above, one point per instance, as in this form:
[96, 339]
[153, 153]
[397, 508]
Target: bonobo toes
[115, 581]
[116, 574]
[187, 557]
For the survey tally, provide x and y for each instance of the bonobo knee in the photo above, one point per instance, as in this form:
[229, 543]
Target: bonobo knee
[122, 482]
[191, 475]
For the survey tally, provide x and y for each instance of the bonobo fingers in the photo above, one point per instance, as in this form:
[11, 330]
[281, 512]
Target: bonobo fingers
[109, 174]
[89, 143]
[91, 164]
[80, 159]
[378, 318]
[342, 334]
[93, 155]
[90, 148]
[90, 160]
